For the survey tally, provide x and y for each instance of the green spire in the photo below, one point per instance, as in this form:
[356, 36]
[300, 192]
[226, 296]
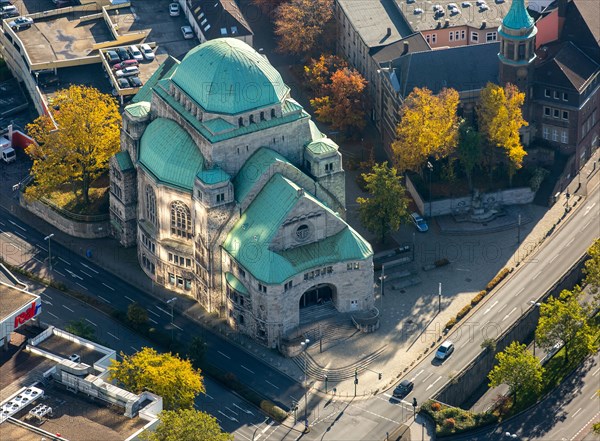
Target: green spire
[517, 17]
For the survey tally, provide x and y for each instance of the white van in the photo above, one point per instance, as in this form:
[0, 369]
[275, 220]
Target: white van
[7, 154]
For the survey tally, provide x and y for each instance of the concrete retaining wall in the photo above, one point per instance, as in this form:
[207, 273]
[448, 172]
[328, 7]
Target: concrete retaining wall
[86, 230]
[512, 196]
[457, 392]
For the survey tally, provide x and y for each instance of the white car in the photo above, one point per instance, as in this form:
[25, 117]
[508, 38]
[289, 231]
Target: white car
[127, 71]
[187, 32]
[21, 23]
[136, 53]
[174, 9]
[147, 51]
[445, 350]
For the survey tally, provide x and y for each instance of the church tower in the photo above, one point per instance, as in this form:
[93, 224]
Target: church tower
[517, 47]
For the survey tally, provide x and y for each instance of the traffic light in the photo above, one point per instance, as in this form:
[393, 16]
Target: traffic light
[415, 402]
[355, 376]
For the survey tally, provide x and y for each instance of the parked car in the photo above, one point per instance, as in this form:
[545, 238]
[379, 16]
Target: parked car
[21, 23]
[403, 389]
[135, 82]
[187, 32]
[124, 64]
[6, 2]
[136, 53]
[174, 9]
[419, 222]
[147, 51]
[112, 57]
[445, 350]
[127, 71]
[123, 83]
[123, 54]
[9, 11]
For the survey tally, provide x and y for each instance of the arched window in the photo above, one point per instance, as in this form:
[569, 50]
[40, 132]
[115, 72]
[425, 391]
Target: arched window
[272, 113]
[251, 119]
[262, 116]
[181, 225]
[240, 121]
[150, 205]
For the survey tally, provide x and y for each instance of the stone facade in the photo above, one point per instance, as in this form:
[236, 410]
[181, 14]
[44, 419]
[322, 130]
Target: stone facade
[180, 226]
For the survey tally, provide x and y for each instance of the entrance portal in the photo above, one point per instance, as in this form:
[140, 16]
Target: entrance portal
[316, 295]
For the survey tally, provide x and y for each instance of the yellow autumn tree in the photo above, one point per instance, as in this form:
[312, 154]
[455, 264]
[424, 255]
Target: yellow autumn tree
[500, 119]
[167, 375]
[300, 23]
[318, 72]
[76, 150]
[428, 127]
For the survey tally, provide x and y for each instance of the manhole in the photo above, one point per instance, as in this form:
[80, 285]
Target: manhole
[402, 291]
[467, 279]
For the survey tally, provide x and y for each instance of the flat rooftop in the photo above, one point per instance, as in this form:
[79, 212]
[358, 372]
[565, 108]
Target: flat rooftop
[76, 418]
[12, 299]
[65, 348]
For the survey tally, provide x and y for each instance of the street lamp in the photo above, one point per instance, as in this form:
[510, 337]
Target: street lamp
[172, 303]
[430, 167]
[382, 279]
[48, 237]
[440, 298]
[304, 345]
[255, 430]
[534, 304]
[519, 229]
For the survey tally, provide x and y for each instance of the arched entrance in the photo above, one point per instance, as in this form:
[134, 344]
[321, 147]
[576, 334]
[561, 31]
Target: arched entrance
[317, 295]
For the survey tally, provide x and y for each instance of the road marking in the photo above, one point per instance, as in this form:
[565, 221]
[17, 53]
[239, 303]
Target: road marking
[135, 349]
[271, 384]
[81, 286]
[268, 427]
[209, 396]
[89, 275]
[576, 412]
[73, 274]
[38, 260]
[244, 436]
[66, 307]
[57, 271]
[112, 335]
[41, 247]
[243, 410]
[21, 235]
[44, 294]
[107, 301]
[508, 315]
[585, 426]
[596, 372]
[232, 411]
[160, 309]
[520, 291]
[594, 395]
[47, 302]
[152, 312]
[589, 208]
[244, 367]
[427, 377]
[17, 225]
[52, 314]
[226, 356]
[131, 300]
[3, 224]
[490, 308]
[177, 326]
[227, 416]
[109, 287]
[60, 258]
[553, 259]
[90, 268]
[89, 321]
[569, 243]
[153, 321]
[432, 384]
[536, 275]
[416, 375]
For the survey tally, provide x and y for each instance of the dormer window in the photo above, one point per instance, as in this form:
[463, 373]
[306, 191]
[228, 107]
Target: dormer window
[251, 119]
[262, 116]
[240, 122]
[272, 113]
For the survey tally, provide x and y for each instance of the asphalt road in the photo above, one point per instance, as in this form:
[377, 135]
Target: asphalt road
[17, 239]
[234, 414]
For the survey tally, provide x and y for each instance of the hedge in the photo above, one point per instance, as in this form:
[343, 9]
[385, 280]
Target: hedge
[499, 278]
[452, 420]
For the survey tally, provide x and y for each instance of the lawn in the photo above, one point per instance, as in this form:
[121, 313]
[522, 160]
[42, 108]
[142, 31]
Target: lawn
[65, 199]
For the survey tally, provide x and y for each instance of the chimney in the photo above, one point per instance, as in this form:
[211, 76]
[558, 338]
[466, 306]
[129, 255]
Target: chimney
[446, 23]
[562, 15]
[388, 33]
[300, 192]
[405, 50]
[483, 24]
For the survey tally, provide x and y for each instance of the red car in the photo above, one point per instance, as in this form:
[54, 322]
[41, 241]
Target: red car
[124, 64]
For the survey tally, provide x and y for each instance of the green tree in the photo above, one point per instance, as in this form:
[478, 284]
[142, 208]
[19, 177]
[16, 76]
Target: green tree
[428, 128]
[188, 425]
[564, 320]
[76, 151]
[197, 350]
[592, 267]
[137, 314]
[500, 120]
[387, 205]
[81, 329]
[517, 368]
[167, 375]
[469, 151]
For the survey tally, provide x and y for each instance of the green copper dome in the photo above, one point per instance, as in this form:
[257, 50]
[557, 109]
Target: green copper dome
[517, 17]
[227, 76]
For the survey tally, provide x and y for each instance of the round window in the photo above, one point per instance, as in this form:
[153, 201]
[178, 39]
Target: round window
[302, 232]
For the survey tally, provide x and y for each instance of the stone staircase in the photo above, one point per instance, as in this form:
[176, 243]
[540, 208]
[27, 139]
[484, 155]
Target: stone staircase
[316, 372]
[315, 313]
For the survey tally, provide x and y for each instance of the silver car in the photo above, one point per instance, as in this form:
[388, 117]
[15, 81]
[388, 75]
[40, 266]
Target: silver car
[128, 71]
